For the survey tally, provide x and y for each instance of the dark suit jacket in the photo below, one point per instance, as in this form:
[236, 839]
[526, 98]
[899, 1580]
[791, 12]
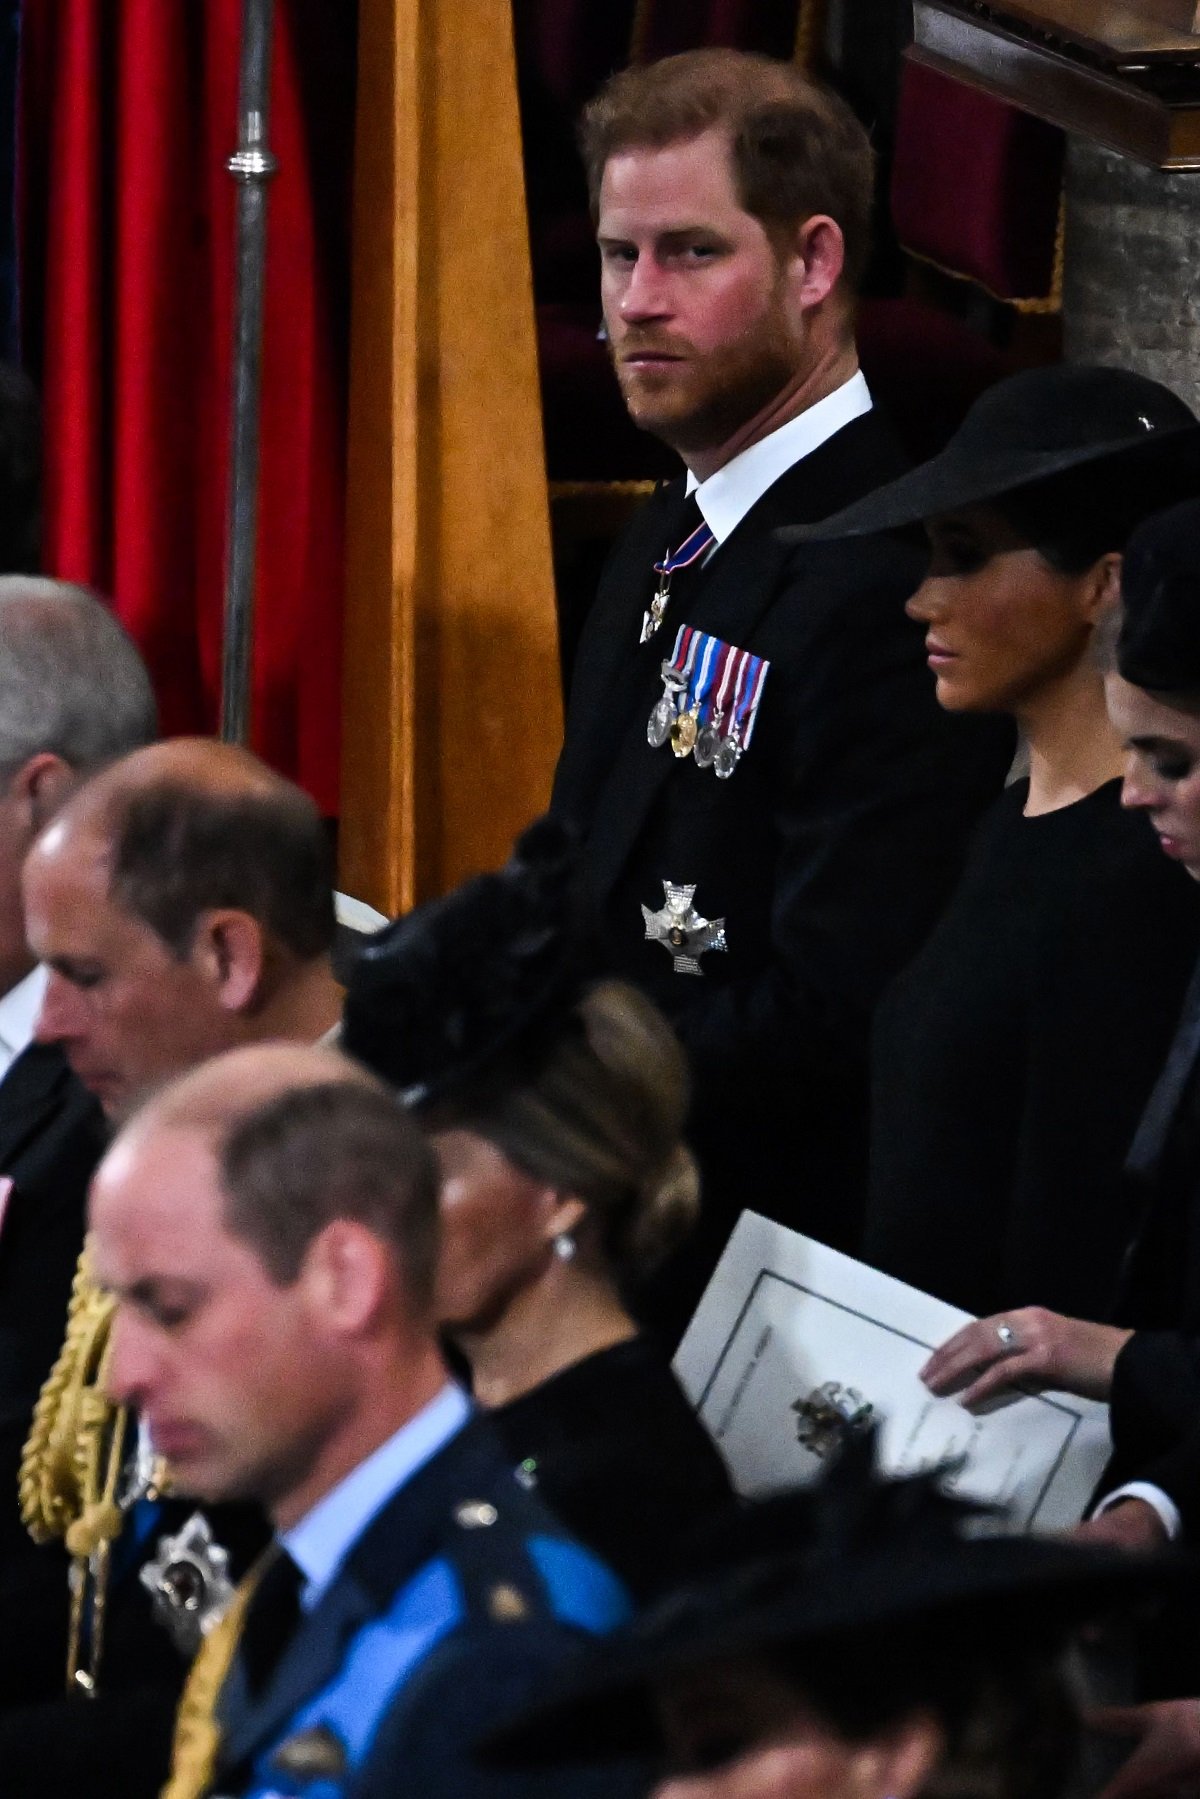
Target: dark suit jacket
[829, 851]
[1156, 1385]
[52, 1134]
[481, 1671]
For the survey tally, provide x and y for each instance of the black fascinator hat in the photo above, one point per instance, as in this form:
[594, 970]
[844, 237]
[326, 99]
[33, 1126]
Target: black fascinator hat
[856, 1564]
[1030, 428]
[1159, 643]
[441, 1001]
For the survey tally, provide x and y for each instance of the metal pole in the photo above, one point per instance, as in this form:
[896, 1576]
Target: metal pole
[252, 167]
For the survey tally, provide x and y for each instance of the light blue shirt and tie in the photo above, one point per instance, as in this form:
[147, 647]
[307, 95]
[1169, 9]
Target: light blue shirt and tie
[324, 1537]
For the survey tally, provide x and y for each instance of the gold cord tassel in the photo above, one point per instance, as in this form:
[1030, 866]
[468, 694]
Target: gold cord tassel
[71, 1468]
[60, 1463]
[197, 1734]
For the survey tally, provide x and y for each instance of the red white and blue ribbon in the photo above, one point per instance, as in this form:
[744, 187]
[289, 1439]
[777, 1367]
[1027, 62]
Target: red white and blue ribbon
[720, 683]
[689, 551]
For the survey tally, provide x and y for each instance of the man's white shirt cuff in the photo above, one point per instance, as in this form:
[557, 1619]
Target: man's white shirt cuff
[1165, 1509]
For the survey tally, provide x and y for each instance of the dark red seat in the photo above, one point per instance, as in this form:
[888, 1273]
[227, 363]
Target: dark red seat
[925, 368]
[976, 185]
[668, 26]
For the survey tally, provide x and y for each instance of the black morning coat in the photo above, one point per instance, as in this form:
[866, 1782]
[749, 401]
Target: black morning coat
[1156, 1384]
[828, 853]
[1155, 1399]
[466, 1508]
[52, 1134]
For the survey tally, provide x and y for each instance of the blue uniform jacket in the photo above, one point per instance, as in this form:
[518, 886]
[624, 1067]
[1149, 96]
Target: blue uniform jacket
[452, 1609]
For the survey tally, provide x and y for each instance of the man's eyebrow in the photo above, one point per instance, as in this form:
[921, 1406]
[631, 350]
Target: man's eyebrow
[152, 1289]
[669, 235]
[66, 963]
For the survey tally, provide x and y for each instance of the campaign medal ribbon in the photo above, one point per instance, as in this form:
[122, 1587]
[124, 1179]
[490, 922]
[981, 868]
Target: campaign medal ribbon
[709, 740]
[748, 691]
[689, 551]
[685, 731]
[676, 675]
[710, 700]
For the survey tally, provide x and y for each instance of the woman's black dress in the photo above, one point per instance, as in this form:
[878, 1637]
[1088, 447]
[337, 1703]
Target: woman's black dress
[1013, 1057]
[619, 1455]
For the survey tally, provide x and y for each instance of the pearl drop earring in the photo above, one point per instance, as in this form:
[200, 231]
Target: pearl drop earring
[564, 1246]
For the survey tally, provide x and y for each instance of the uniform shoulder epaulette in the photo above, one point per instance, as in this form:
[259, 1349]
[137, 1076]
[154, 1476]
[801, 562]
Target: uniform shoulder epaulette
[523, 1570]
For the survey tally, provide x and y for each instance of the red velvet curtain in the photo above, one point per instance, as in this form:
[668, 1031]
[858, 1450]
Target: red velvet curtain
[128, 111]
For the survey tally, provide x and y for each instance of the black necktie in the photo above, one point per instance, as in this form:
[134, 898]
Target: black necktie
[271, 1620]
[690, 518]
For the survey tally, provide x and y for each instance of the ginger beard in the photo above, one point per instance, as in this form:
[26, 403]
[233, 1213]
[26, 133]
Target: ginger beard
[705, 397]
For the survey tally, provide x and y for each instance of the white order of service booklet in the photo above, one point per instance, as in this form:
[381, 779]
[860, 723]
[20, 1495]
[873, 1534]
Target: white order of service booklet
[792, 1340]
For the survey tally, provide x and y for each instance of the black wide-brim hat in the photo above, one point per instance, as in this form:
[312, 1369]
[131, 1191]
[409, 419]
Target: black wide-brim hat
[868, 1556]
[1024, 430]
[1159, 643]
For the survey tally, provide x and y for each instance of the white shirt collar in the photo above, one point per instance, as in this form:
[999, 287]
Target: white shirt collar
[19, 1010]
[324, 1537]
[726, 497]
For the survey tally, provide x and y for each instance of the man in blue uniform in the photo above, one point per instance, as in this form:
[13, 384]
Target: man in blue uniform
[268, 1225]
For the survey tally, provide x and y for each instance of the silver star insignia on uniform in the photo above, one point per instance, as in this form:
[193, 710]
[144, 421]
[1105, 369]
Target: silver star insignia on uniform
[189, 1583]
[681, 930]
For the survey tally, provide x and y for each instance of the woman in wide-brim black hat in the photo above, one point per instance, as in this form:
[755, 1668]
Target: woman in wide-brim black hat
[854, 1641]
[1012, 1058]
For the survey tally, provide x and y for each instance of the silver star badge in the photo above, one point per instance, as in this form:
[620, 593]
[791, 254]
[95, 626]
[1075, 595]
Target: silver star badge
[683, 933]
[189, 1583]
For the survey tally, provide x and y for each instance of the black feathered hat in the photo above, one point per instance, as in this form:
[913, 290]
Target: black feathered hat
[1159, 642]
[482, 981]
[1026, 429]
[852, 1555]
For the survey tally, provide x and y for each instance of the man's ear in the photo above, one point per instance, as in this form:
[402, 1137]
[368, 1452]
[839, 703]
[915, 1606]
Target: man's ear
[229, 950]
[349, 1275]
[39, 787]
[818, 256]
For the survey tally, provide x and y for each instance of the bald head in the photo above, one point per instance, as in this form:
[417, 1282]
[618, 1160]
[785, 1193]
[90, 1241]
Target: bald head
[216, 1097]
[183, 902]
[268, 1226]
[200, 765]
[300, 1135]
[194, 824]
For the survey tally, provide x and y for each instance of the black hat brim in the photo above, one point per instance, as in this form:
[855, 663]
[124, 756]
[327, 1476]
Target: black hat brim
[602, 1706]
[959, 477]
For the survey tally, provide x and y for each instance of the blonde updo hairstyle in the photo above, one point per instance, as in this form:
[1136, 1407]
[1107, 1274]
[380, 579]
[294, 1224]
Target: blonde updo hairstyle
[601, 1117]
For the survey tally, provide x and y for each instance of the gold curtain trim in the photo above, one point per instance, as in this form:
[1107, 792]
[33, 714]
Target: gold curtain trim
[587, 490]
[1046, 303]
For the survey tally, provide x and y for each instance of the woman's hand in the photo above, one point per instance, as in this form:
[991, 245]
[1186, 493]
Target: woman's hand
[1029, 1348]
[1166, 1761]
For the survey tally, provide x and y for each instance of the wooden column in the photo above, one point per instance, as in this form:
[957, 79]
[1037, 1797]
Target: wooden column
[452, 708]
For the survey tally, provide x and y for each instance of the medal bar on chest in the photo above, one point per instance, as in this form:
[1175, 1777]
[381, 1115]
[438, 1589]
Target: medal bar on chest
[710, 701]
